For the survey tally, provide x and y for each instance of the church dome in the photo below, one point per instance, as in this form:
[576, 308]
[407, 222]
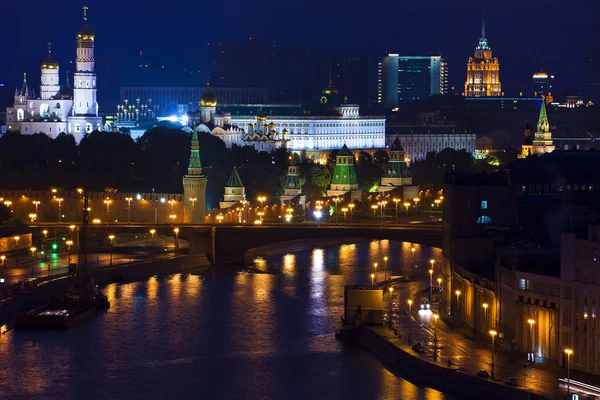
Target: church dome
[50, 64]
[208, 99]
[261, 116]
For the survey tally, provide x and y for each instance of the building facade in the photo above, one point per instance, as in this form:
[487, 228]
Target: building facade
[344, 181]
[235, 193]
[483, 71]
[542, 139]
[541, 86]
[60, 109]
[418, 140]
[402, 79]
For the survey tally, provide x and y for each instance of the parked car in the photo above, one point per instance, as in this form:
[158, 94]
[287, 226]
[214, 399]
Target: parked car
[418, 347]
[511, 382]
[483, 374]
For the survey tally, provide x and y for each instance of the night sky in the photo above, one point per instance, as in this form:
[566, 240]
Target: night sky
[554, 35]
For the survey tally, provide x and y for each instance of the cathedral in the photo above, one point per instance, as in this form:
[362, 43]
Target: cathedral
[483, 71]
[57, 109]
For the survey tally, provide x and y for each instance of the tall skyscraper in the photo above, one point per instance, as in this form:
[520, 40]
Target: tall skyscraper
[542, 85]
[402, 79]
[483, 71]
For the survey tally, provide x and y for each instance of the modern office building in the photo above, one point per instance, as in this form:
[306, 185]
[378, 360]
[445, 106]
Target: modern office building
[402, 79]
[542, 86]
[176, 100]
[483, 71]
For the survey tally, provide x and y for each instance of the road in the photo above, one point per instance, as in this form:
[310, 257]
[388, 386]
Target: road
[467, 351]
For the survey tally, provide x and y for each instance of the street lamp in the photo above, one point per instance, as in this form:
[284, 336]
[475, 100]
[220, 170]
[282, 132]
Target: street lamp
[432, 262]
[345, 210]
[406, 204]
[397, 201]
[457, 300]
[193, 200]
[220, 217]
[107, 202]
[111, 237]
[2, 258]
[32, 249]
[439, 281]
[485, 307]
[569, 352]
[172, 218]
[416, 200]
[152, 232]
[262, 200]
[413, 253]
[531, 322]
[172, 203]
[336, 201]
[493, 333]
[372, 279]
[374, 207]
[430, 286]
[435, 318]
[437, 203]
[391, 300]
[409, 320]
[60, 200]
[176, 230]
[351, 207]
[32, 217]
[385, 268]
[36, 203]
[17, 240]
[128, 200]
[69, 243]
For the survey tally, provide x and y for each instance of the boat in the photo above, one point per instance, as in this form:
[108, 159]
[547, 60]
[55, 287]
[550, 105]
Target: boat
[80, 301]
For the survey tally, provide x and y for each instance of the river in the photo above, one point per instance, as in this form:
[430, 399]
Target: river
[264, 331]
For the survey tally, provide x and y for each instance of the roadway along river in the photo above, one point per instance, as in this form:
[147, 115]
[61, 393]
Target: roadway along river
[265, 332]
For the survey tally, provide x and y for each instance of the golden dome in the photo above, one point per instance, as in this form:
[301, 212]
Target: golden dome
[49, 64]
[261, 116]
[208, 99]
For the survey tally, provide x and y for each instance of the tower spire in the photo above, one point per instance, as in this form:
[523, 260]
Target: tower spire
[49, 50]
[483, 24]
[85, 8]
[195, 167]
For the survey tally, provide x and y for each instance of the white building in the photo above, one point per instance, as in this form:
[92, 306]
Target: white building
[60, 109]
[310, 132]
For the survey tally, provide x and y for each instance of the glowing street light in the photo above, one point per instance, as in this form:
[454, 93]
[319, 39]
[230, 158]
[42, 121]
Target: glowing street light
[531, 322]
[437, 203]
[385, 259]
[220, 218]
[457, 299]
[336, 201]
[351, 207]
[391, 301]
[430, 286]
[32, 217]
[375, 269]
[569, 352]
[435, 318]
[439, 281]
[372, 279]
[36, 203]
[493, 333]
[59, 200]
[397, 201]
[262, 200]
[128, 200]
[407, 205]
[111, 238]
[176, 231]
[374, 207]
[172, 217]
[410, 302]
[485, 307]
[432, 262]
[344, 210]
[193, 200]
[69, 243]
[152, 232]
[107, 202]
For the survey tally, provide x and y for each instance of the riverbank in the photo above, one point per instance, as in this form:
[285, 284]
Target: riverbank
[55, 284]
[297, 245]
[383, 343]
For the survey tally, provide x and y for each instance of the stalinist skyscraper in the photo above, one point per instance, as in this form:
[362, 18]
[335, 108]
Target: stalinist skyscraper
[483, 71]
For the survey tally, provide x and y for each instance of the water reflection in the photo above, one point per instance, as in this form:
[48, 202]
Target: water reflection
[228, 334]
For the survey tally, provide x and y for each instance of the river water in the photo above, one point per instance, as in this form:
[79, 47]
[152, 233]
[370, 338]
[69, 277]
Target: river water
[264, 331]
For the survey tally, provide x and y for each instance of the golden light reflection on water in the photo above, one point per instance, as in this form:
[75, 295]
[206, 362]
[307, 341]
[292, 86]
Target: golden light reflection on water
[289, 264]
[175, 284]
[152, 290]
[346, 257]
[318, 302]
[193, 285]
[260, 264]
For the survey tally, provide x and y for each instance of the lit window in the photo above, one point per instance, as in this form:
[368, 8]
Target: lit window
[484, 219]
[484, 204]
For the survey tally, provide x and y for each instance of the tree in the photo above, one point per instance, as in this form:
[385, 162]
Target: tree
[320, 178]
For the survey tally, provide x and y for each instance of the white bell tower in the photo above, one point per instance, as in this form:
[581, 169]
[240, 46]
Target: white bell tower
[84, 88]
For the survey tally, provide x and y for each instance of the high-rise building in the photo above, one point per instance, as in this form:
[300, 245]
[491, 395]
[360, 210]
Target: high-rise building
[483, 71]
[402, 79]
[542, 85]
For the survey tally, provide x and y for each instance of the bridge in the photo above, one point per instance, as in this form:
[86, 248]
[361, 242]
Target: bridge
[228, 243]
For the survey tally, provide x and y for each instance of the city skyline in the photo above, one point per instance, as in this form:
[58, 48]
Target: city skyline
[132, 29]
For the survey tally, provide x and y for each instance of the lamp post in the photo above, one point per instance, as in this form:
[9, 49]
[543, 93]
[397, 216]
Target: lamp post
[485, 308]
[430, 286]
[345, 210]
[397, 201]
[531, 322]
[69, 243]
[406, 204]
[193, 200]
[385, 259]
[128, 200]
[409, 320]
[457, 301]
[439, 281]
[435, 318]
[493, 333]
[382, 203]
[412, 249]
[60, 200]
[172, 218]
[374, 207]
[110, 238]
[432, 262]
[176, 230]
[32, 249]
[2, 258]
[375, 269]
[336, 201]
[107, 202]
[152, 232]
[391, 301]
[372, 279]
[569, 352]
[416, 200]
[351, 207]
[36, 203]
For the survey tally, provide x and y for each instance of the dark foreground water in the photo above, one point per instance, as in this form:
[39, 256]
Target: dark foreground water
[227, 334]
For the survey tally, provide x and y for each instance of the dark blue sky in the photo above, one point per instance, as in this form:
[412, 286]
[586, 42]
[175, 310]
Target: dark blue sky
[526, 35]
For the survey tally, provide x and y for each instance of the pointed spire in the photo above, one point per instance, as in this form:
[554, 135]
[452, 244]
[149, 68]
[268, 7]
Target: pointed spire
[234, 179]
[543, 124]
[483, 24]
[25, 88]
[195, 167]
[85, 8]
[49, 50]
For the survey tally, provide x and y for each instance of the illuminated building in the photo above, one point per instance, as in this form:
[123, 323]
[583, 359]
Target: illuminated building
[542, 139]
[235, 192]
[402, 79]
[293, 189]
[542, 86]
[396, 172]
[483, 71]
[194, 185]
[311, 132]
[344, 176]
[70, 110]
[527, 146]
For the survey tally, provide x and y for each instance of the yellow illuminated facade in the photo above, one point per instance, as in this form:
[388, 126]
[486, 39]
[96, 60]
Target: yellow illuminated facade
[483, 71]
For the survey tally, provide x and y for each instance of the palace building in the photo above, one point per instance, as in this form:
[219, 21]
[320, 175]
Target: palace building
[58, 108]
[311, 132]
[483, 71]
